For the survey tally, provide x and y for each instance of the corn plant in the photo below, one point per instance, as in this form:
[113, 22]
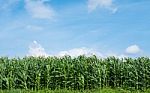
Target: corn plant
[74, 73]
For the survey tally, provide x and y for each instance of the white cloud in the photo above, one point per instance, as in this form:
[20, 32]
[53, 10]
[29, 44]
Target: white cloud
[133, 49]
[107, 4]
[80, 51]
[116, 55]
[36, 50]
[38, 9]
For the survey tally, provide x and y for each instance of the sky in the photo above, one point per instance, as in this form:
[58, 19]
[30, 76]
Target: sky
[118, 28]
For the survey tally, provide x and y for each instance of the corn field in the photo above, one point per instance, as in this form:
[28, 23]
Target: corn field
[74, 73]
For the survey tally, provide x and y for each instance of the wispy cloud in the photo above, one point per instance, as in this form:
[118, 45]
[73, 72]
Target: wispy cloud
[107, 4]
[133, 49]
[38, 9]
[8, 4]
[34, 27]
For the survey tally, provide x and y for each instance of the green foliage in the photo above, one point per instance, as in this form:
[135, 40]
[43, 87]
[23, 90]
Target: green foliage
[104, 90]
[36, 73]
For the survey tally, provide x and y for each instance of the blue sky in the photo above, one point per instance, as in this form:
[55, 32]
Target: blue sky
[51, 27]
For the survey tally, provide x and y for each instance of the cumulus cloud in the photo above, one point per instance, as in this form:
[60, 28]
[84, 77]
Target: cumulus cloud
[38, 9]
[80, 51]
[107, 4]
[36, 50]
[133, 49]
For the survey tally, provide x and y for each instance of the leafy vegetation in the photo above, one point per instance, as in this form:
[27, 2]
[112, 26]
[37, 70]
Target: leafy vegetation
[104, 90]
[81, 73]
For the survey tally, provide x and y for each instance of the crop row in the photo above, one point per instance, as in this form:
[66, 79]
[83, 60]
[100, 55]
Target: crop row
[74, 73]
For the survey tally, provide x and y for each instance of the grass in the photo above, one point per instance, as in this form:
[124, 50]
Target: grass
[105, 90]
